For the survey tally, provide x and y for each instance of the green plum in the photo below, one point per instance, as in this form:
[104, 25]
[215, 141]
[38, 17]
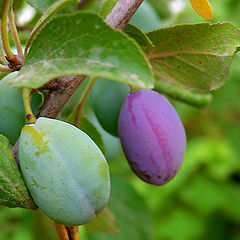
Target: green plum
[106, 99]
[65, 172]
[12, 115]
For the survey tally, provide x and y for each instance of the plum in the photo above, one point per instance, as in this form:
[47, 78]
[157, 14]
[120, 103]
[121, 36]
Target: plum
[12, 115]
[65, 172]
[106, 99]
[152, 136]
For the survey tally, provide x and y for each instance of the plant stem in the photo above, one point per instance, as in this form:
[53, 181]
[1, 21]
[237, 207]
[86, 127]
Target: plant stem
[27, 105]
[5, 69]
[4, 31]
[83, 99]
[14, 32]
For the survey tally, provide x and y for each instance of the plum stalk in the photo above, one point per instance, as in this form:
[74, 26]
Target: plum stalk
[27, 105]
[14, 32]
[83, 99]
[4, 31]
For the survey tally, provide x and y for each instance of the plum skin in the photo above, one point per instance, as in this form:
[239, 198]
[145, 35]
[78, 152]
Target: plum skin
[12, 115]
[152, 136]
[65, 172]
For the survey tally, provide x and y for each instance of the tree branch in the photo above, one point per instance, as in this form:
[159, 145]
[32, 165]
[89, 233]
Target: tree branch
[67, 85]
[122, 13]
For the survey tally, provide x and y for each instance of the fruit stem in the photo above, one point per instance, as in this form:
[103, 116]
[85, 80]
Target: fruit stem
[5, 69]
[27, 105]
[4, 31]
[14, 32]
[133, 88]
[83, 99]
[67, 232]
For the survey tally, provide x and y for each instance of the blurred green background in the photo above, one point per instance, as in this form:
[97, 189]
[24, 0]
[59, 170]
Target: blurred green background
[203, 201]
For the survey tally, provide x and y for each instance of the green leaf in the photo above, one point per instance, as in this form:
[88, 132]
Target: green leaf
[46, 17]
[13, 191]
[132, 214]
[196, 56]
[82, 43]
[105, 222]
[139, 36]
[107, 7]
[41, 5]
[86, 126]
[190, 97]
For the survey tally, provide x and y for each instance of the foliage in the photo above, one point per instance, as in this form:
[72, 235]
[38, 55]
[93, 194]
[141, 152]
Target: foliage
[182, 51]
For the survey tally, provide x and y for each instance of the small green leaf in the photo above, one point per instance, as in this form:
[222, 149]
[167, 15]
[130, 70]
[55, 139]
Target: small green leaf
[86, 126]
[196, 56]
[105, 222]
[139, 36]
[13, 191]
[82, 43]
[132, 214]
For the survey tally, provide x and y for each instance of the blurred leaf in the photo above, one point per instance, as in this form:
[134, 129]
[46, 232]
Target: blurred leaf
[43, 227]
[105, 222]
[131, 212]
[208, 196]
[203, 8]
[89, 52]
[216, 155]
[196, 56]
[107, 7]
[204, 194]
[41, 5]
[181, 224]
[86, 126]
[13, 191]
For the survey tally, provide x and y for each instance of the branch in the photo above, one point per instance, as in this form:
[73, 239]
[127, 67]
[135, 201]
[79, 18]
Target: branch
[67, 85]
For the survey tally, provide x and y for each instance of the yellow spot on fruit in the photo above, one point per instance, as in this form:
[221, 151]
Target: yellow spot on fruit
[37, 140]
[103, 170]
[203, 8]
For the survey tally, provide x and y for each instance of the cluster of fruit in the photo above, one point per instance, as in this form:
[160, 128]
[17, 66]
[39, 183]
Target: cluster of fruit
[66, 173]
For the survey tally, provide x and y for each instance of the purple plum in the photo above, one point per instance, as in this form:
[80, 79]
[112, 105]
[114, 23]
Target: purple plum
[152, 136]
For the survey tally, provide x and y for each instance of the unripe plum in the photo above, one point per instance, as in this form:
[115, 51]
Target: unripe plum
[152, 136]
[66, 173]
[12, 115]
[106, 99]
